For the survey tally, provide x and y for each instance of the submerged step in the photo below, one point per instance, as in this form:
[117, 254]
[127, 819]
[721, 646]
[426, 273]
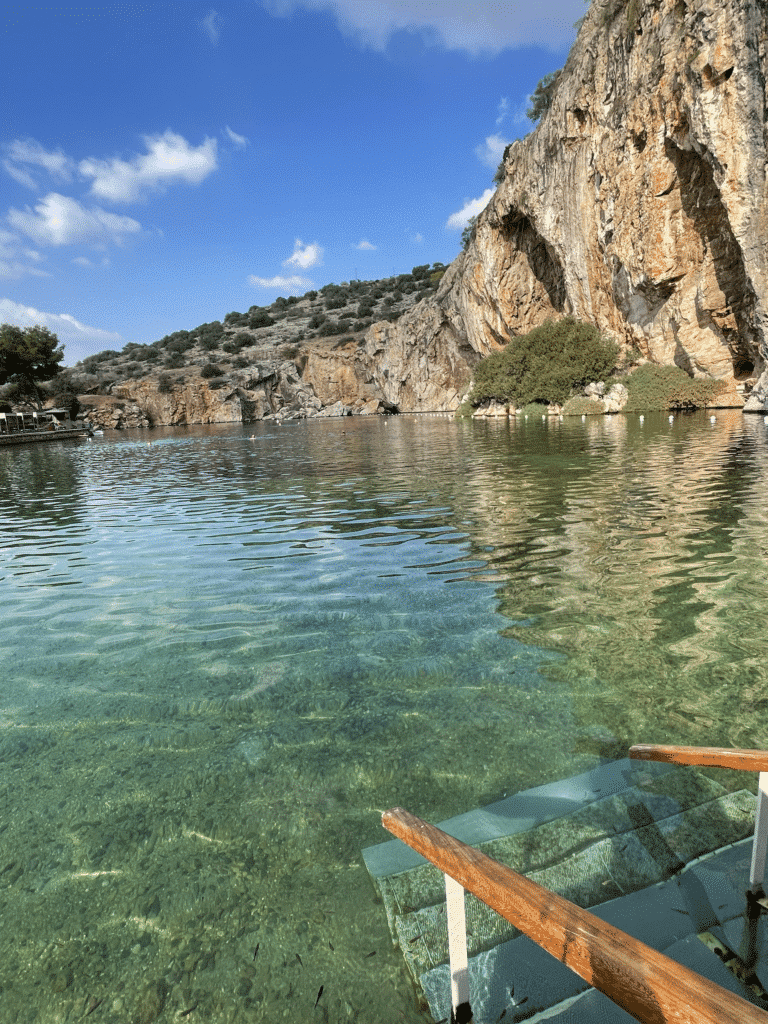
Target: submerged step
[644, 797]
[608, 869]
[523, 811]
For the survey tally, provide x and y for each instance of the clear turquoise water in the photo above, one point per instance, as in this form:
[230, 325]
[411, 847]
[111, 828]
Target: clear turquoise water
[225, 653]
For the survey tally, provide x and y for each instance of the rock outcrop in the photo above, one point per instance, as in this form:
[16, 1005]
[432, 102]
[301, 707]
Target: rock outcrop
[324, 382]
[638, 204]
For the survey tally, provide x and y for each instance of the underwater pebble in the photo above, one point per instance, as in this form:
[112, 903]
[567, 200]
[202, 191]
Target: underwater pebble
[62, 981]
[151, 1002]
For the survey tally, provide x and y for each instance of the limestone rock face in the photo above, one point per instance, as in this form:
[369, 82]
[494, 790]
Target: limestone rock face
[423, 361]
[195, 401]
[639, 204]
[341, 380]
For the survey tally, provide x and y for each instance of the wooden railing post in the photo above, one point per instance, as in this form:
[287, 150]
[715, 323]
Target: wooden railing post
[757, 869]
[461, 1012]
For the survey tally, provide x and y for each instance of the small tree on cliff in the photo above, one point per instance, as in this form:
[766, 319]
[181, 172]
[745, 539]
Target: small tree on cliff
[541, 100]
[28, 355]
[468, 233]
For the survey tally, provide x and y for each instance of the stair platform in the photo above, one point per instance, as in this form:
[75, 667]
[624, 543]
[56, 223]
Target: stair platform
[660, 851]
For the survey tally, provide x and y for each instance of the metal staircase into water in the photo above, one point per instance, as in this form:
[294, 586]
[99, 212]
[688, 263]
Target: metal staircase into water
[658, 852]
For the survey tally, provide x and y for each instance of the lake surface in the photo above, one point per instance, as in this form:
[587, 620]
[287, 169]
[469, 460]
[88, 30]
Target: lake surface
[226, 652]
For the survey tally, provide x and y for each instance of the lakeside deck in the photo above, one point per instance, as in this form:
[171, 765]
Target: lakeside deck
[32, 427]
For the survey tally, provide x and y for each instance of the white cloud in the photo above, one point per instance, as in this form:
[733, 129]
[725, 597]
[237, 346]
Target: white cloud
[492, 150]
[304, 256]
[82, 261]
[211, 25]
[29, 151]
[12, 270]
[239, 140]
[418, 237]
[366, 245]
[169, 158]
[13, 256]
[59, 220]
[290, 284]
[80, 339]
[19, 174]
[458, 221]
[503, 110]
[477, 26]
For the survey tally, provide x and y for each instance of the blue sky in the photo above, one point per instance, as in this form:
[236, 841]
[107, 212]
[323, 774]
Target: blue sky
[162, 164]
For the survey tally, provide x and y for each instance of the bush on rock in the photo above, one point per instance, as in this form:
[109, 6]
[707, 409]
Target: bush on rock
[653, 387]
[545, 365]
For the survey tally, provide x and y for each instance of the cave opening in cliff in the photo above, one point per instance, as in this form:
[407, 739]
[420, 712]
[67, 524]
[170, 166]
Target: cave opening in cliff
[702, 204]
[521, 236]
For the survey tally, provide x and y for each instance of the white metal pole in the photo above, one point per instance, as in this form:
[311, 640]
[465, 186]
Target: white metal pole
[757, 870]
[457, 952]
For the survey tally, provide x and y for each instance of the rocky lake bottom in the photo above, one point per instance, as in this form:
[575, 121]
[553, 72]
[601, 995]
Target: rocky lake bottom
[225, 654]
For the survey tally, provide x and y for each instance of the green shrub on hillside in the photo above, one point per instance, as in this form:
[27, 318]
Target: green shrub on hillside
[580, 406]
[545, 365]
[260, 318]
[653, 387]
[210, 370]
[535, 409]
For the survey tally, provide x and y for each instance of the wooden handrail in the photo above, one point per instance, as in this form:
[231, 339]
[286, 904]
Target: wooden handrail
[644, 982]
[714, 757]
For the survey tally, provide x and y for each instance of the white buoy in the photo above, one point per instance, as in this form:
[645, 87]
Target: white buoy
[583, 419]
[713, 419]
[561, 419]
[671, 419]
[642, 419]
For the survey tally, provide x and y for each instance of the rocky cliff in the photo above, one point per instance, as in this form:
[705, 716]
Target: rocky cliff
[638, 204]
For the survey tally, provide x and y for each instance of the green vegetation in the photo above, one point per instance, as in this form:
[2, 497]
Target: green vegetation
[468, 234]
[259, 318]
[28, 355]
[580, 406]
[543, 94]
[653, 387]
[210, 370]
[535, 409]
[545, 365]
[64, 392]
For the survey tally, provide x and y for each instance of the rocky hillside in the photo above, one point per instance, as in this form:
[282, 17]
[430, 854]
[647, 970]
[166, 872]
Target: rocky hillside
[638, 204]
[295, 358]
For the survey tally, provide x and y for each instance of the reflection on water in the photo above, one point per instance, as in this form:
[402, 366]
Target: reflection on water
[226, 654]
